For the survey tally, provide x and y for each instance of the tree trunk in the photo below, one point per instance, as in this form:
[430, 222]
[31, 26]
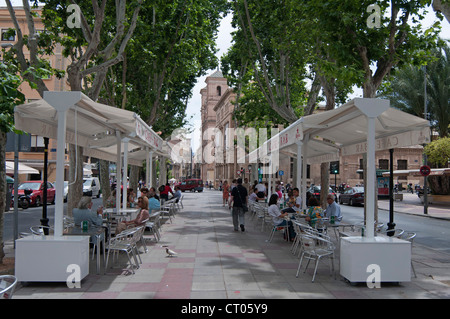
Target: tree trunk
[324, 184]
[2, 192]
[442, 7]
[134, 178]
[104, 180]
[75, 177]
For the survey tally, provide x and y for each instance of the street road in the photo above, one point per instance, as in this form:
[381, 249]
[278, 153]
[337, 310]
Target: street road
[431, 232]
[32, 217]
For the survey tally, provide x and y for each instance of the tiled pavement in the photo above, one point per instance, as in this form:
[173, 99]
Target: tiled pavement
[215, 262]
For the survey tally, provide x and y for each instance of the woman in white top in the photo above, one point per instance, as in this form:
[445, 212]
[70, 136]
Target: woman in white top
[278, 216]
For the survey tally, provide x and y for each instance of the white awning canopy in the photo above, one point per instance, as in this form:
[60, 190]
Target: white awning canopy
[22, 168]
[343, 131]
[91, 125]
[360, 126]
[103, 131]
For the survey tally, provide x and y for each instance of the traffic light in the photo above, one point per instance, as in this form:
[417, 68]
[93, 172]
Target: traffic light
[334, 168]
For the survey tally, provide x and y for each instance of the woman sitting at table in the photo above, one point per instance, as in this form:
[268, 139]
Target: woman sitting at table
[140, 219]
[278, 216]
[315, 212]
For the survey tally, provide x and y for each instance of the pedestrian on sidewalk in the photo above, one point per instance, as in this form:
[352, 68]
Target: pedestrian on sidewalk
[226, 193]
[239, 197]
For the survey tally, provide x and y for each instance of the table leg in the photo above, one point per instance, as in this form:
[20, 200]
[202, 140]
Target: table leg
[98, 254]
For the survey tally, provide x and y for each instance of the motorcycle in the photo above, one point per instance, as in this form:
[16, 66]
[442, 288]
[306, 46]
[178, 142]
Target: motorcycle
[24, 201]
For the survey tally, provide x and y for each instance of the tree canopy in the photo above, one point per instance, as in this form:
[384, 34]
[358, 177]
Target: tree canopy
[173, 44]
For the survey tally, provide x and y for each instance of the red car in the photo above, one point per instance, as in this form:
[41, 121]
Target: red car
[38, 189]
[192, 184]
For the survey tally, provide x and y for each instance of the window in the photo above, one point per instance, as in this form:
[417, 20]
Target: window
[8, 35]
[219, 91]
[402, 164]
[37, 143]
[383, 163]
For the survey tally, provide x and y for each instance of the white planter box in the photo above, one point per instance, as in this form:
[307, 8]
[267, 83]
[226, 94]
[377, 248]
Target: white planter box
[392, 255]
[45, 259]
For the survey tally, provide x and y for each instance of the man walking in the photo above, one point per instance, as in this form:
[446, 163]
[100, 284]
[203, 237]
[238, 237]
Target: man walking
[239, 197]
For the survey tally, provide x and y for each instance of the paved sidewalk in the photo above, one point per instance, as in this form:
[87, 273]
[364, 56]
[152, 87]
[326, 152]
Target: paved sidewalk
[411, 204]
[215, 262]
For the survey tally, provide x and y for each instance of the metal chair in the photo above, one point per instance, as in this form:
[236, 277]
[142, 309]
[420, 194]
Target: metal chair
[379, 227]
[301, 229]
[167, 210]
[137, 233]
[276, 228]
[154, 225]
[7, 286]
[316, 248]
[39, 230]
[68, 222]
[124, 241]
[397, 232]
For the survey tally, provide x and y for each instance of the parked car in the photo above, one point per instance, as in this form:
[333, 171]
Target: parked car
[352, 196]
[37, 188]
[193, 184]
[91, 186]
[315, 192]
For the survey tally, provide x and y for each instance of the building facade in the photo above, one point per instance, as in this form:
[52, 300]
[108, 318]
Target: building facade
[34, 158]
[216, 86]
[217, 112]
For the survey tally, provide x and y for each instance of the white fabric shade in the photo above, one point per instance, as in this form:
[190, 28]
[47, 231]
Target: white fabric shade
[91, 125]
[359, 126]
[344, 131]
[22, 168]
[103, 131]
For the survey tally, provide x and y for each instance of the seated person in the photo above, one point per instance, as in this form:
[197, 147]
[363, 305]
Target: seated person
[278, 216]
[131, 197]
[152, 193]
[84, 213]
[177, 194]
[254, 196]
[140, 219]
[164, 191]
[144, 191]
[153, 204]
[333, 209]
[295, 202]
[314, 212]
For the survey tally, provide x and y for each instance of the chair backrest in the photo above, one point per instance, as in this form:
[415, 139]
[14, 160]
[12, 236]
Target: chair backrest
[397, 232]
[68, 222]
[132, 234]
[409, 236]
[155, 216]
[7, 285]
[311, 242]
[379, 227]
[39, 230]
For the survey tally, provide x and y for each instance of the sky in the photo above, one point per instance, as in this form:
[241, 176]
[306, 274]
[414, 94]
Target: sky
[223, 43]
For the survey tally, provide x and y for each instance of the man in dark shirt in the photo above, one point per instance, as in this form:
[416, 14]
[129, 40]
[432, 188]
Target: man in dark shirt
[239, 197]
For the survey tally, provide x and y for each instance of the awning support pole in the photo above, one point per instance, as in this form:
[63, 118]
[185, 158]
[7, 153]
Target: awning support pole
[62, 102]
